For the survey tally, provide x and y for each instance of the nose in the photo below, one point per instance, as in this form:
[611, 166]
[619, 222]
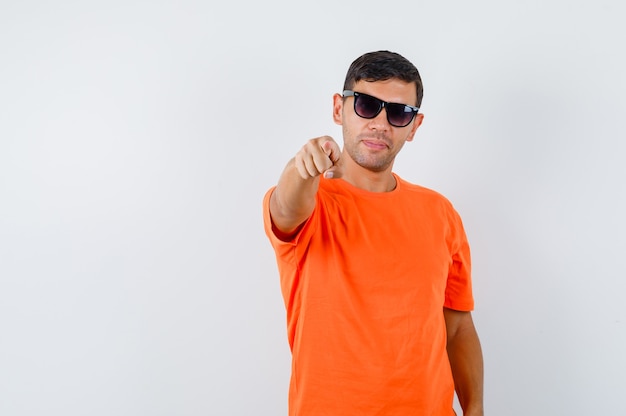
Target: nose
[380, 122]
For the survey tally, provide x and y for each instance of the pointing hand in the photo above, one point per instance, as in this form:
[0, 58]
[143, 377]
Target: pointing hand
[319, 156]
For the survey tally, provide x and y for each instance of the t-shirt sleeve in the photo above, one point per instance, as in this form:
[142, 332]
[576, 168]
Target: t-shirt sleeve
[280, 245]
[268, 224]
[459, 294]
[288, 255]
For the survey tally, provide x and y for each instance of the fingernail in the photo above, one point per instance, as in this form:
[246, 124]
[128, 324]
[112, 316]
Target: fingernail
[328, 175]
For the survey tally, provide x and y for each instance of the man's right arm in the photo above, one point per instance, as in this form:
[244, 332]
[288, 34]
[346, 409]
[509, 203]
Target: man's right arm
[293, 200]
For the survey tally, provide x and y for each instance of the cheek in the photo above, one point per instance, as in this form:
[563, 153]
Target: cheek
[348, 126]
[345, 130]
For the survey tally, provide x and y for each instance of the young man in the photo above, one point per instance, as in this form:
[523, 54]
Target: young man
[375, 271]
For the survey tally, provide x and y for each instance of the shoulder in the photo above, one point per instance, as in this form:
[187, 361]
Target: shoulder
[428, 199]
[418, 191]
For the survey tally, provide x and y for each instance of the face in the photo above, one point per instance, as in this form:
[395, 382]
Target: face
[374, 143]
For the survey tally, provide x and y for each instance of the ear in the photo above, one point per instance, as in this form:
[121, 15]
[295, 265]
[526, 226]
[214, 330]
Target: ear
[417, 121]
[338, 109]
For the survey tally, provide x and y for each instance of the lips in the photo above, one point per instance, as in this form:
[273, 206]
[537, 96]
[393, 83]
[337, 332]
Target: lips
[375, 144]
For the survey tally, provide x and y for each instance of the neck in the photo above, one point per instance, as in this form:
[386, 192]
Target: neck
[371, 181]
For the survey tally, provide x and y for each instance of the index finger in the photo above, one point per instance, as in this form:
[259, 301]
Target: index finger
[331, 148]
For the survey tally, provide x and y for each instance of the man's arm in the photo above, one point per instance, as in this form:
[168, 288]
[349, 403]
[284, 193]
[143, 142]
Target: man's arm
[466, 360]
[293, 200]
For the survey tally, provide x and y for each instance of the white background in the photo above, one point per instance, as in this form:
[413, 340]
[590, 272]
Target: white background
[137, 139]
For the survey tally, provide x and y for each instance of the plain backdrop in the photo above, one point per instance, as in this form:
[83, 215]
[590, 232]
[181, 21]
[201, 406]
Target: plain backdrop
[137, 139]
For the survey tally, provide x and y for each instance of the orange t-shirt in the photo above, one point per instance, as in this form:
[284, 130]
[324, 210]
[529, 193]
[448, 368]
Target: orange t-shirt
[365, 282]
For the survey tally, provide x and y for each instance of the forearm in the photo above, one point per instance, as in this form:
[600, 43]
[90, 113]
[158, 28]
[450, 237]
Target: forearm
[466, 361]
[293, 200]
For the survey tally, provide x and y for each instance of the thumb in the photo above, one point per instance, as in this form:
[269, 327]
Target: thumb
[333, 173]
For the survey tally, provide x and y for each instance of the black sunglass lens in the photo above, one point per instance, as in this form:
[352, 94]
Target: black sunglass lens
[399, 115]
[366, 106]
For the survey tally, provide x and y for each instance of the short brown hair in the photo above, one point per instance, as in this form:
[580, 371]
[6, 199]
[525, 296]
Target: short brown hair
[384, 65]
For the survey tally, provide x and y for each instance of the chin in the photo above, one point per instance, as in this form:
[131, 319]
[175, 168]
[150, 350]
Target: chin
[374, 167]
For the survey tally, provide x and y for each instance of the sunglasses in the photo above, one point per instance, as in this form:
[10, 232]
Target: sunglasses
[366, 106]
